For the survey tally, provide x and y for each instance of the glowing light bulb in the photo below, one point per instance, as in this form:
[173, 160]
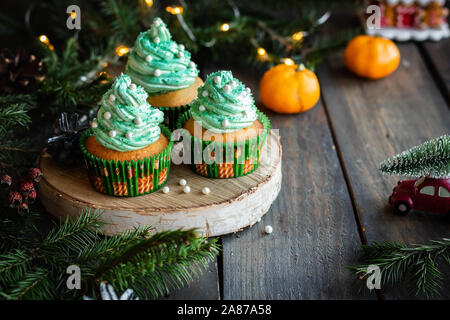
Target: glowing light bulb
[225, 27]
[288, 61]
[43, 38]
[262, 51]
[174, 10]
[122, 50]
[297, 36]
[149, 2]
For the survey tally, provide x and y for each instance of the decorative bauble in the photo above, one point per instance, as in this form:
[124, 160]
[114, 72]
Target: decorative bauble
[289, 89]
[371, 57]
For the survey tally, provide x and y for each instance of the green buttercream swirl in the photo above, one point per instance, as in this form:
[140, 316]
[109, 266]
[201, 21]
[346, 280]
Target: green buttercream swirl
[130, 122]
[224, 104]
[159, 64]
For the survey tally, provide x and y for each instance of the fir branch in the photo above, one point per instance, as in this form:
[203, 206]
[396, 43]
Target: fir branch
[11, 116]
[398, 262]
[431, 159]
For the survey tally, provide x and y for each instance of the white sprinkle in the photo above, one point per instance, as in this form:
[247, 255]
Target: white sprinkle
[149, 58]
[181, 47]
[201, 108]
[268, 229]
[182, 182]
[225, 123]
[205, 93]
[248, 90]
[138, 120]
[206, 190]
[187, 189]
[227, 88]
[94, 124]
[156, 40]
[157, 73]
[112, 133]
[217, 79]
[107, 115]
[191, 65]
[129, 135]
[112, 98]
[132, 86]
[166, 189]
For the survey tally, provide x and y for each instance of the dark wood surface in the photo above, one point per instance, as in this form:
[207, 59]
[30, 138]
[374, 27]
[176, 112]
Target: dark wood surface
[333, 198]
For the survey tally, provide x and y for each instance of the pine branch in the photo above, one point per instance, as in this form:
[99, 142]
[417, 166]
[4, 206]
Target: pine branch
[431, 159]
[398, 262]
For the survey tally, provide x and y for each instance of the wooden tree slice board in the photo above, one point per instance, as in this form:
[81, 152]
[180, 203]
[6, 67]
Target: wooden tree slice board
[232, 204]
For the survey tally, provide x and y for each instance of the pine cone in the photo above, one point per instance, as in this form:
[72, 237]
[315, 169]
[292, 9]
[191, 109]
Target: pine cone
[65, 146]
[26, 187]
[34, 174]
[23, 209]
[30, 197]
[5, 181]
[14, 199]
[18, 71]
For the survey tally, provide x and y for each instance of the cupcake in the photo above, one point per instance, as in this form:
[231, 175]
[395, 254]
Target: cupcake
[225, 130]
[165, 70]
[127, 151]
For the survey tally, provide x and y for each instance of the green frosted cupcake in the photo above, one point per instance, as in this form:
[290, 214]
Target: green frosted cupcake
[127, 151]
[165, 70]
[225, 129]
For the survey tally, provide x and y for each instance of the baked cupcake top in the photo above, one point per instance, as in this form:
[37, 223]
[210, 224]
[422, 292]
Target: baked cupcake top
[159, 64]
[224, 104]
[125, 120]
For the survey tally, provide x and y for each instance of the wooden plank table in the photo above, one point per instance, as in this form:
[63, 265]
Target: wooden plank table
[333, 198]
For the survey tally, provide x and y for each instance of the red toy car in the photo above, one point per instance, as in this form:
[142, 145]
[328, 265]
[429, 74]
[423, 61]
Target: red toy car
[425, 194]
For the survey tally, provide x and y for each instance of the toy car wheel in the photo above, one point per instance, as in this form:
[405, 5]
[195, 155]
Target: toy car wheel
[402, 207]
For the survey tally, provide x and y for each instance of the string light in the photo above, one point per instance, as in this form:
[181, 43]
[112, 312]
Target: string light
[149, 2]
[297, 36]
[225, 27]
[174, 10]
[262, 51]
[44, 39]
[122, 50]
[288, 61]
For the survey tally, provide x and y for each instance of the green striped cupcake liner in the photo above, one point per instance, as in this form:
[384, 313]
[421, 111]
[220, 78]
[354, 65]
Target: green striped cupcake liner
[239, 158]
[128, 178]
[171, 115]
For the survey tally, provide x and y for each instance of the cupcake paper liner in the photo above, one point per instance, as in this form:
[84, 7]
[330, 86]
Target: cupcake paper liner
[128, 178]
[171, 114]
[239, 158]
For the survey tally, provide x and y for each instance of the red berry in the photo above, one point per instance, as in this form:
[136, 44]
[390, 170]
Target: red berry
[23, 209]
[31, 196]
[26, 187]
[14, 199]
[34, 174]
[5, 180]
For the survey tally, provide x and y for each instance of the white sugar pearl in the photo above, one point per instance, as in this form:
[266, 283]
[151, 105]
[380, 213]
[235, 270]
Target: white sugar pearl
[94, 124]
[225, 123]
[149, 58]
[201, 108]
[157, 73]
[182, 182]
[129, 135]
[156, 40]
[112, 133]
[107, 115]
[187, 189]
[205, 93]
[248, 90]
[268, 229]
[217, 79]
[227, 88]
[180, 54]
[233, 84]
[206, 190]
[112, 97]
[181, 47]
[133, 86]
[191, 65]
[137, 120]
[157, 23]
[166, 189]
